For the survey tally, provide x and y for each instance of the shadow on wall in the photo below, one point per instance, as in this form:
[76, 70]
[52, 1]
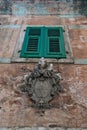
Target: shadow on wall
[80, 6]
[5, 7]
[27, 7]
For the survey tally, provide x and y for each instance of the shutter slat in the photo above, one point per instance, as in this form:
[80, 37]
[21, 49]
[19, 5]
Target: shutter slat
[32, 44]
[35, 32]
[54, 45]
[53, 32]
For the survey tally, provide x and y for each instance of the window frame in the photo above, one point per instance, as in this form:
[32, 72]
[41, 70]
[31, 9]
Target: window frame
[16, 53]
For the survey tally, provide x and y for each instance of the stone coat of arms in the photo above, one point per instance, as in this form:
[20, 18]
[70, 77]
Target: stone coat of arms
[42, 84]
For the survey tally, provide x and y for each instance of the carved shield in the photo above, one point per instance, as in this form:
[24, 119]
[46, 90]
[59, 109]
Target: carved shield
[42, 84]
[41, 91]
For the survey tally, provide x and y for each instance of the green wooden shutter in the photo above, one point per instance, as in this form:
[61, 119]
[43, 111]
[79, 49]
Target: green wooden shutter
[54, 43]
[43, 42]
[32, 43]
[54, 46]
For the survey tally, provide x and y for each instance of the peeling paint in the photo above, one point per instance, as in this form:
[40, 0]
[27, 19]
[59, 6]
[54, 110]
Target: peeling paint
[43, 7]
[19, 10]
[80, 61]
[36, 7]
[10, 26]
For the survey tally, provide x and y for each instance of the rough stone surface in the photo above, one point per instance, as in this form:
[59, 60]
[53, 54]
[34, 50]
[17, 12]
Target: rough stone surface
[41, 7]
[8, 37]
[35, 7]
[15, 107]
[77, 32]
[41, 128]
[79, 36]
[70, 111]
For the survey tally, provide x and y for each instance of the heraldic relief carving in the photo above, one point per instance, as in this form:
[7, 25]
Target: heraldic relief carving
[42, 84]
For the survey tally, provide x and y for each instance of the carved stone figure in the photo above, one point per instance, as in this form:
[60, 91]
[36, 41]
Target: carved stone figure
[42, 84]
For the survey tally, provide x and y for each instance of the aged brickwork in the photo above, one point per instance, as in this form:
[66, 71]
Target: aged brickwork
[70, 107]
[72, 103]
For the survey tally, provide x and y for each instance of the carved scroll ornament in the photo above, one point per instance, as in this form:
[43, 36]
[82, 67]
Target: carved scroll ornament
[42, 84]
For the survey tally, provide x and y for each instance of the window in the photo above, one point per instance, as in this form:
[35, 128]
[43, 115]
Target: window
[45, 42]
[50, 42]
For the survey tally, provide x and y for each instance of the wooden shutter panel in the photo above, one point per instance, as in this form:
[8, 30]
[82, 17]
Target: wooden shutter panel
[55, 43]
[53, 32]
[31, 44]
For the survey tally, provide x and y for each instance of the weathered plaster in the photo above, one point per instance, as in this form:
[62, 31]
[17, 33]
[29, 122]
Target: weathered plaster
[15, 107]
[41, 128]
[43, 7]
[36, 7]
[71, 106]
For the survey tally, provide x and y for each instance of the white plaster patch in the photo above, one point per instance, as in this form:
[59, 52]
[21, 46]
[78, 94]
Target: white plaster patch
[83, 39]
[78, 71]
[76, 90]
[41, 128]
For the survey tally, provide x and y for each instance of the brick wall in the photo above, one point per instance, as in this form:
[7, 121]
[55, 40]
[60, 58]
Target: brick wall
[14, 105]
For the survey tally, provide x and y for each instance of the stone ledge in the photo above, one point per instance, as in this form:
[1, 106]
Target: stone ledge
[41, 128]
